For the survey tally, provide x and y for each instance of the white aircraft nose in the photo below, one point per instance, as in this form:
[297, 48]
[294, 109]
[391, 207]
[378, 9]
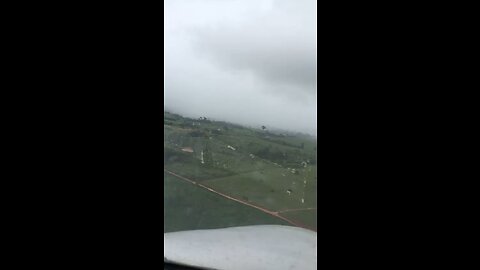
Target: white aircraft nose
[262, 247]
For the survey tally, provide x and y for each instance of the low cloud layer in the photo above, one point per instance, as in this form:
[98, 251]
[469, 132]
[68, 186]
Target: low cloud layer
[249, 62]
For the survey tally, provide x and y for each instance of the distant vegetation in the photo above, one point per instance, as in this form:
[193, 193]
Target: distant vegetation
[284, 149]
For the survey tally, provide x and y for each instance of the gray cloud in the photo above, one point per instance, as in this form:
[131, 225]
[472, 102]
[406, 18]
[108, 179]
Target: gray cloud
[279, 46]
[250, 62]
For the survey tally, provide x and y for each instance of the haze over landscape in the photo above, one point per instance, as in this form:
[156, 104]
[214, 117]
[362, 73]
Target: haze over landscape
[251, 62]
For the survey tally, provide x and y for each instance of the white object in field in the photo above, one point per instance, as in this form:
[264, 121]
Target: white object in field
[201, 157]
[263, 247]
[230, 147]
[187, 149]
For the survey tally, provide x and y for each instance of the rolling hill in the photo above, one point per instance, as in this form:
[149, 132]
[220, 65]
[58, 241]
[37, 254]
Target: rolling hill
[220, 174]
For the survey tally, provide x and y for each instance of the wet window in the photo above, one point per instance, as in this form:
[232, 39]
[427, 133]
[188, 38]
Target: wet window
[240, 114]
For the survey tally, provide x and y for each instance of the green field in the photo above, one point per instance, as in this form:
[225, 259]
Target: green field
[273, 170]
[188, 207]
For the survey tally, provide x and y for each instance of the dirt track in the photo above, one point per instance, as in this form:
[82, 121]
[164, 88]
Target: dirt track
[272, 213]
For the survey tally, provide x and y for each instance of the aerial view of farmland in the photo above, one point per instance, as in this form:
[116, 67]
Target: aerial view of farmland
[240, 134]
[219, 174]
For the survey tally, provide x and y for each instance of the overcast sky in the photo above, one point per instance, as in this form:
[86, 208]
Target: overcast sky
[251, 62]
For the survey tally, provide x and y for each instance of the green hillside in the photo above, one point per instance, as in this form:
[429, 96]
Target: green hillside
[272, 170]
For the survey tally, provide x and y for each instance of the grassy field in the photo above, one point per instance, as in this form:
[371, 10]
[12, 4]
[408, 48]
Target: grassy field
[275, 171]
[188, 207]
